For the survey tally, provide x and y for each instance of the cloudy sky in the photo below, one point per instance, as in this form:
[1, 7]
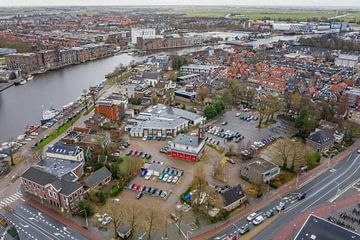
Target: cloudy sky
[181, 2]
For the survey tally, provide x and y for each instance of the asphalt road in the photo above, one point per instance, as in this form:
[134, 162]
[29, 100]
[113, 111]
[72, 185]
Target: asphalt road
[34, 224]
[319, 191]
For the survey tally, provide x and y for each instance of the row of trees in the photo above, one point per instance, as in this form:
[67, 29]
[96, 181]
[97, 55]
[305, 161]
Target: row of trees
[234, 91]
[141, 217]
[268, 106]
[331, 42]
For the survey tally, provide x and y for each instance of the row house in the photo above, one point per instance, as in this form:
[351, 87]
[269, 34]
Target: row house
[67, 57]
[25, 62]
[48, 188]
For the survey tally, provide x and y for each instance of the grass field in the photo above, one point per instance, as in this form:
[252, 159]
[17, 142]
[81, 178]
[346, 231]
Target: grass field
[260, 13]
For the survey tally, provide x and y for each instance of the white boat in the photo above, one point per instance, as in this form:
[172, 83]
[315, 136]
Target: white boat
[30, 78]
[23, 82]
[48, 114]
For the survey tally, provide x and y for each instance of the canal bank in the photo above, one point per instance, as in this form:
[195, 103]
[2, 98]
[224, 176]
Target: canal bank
[22, 106]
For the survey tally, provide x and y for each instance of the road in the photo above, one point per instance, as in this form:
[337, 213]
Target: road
[319, 191]
[34, 224]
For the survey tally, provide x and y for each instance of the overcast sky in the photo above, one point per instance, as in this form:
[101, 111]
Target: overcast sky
[181, 2]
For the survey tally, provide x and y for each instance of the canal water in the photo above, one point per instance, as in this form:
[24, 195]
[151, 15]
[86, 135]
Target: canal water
[22, 106]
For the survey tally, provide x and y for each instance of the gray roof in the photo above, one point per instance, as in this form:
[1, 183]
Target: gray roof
[322, 136]
[232, 195]
[151, 75]
[156, 167]
[65, 149]
[319, 228]
[97, 177]
[59, 167]
[260, 165]
[44, 178]
[188, 140]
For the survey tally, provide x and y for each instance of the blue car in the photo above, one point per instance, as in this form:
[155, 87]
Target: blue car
[143, 172]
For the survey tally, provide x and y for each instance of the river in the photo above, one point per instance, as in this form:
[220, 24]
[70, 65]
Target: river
[22, 105]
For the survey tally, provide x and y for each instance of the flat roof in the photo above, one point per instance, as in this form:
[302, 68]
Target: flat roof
[187, 140]
[59, 167]
[260, 165]
[316, 228]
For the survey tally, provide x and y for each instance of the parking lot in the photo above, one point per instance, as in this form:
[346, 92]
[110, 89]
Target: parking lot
[172, 189]
[248, 128]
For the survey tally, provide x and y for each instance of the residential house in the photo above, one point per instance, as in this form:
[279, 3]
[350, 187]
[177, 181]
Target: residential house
[321, 140]
[65, 151]
[98, 178]
[233, 197]
[46, 187]
[259, 170]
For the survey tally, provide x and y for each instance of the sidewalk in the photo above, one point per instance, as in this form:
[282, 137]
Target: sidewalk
[63, 220]
[277, 193]
[289, 231]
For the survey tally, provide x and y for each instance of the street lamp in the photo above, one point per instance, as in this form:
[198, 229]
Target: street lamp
[86, 219]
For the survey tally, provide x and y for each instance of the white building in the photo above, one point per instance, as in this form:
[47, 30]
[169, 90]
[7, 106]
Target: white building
[198, 69]
[66, 151]
[187, 147]
[146, 33]
[345, 60]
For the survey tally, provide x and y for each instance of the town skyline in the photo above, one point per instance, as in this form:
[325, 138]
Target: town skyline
[260, 3]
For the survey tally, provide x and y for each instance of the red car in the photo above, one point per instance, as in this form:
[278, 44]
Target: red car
[136, 187]
[133, 152]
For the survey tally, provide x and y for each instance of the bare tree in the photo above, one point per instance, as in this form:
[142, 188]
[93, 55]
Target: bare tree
[200, 178]
[116, 212]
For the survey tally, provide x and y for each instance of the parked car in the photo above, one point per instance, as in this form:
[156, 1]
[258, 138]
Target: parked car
[136, 187]
[269, 213]
[165, 178]
[281, 206]
[252, 216]
[224, 123]
[175, 179]
[131, 186]
[231, 161]
[169, 180]
[148, 176]
[244, 229]
[161, 175]
[258, 220]
[139, 195]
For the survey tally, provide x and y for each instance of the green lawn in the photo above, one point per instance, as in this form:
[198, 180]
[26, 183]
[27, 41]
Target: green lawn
[57, 133]
[259, 13]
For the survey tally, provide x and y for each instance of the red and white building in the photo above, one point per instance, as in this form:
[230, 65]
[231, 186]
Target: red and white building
[187, 147]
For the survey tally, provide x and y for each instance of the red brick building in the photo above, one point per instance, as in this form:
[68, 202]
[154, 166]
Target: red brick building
[109, 109]
[48, 188]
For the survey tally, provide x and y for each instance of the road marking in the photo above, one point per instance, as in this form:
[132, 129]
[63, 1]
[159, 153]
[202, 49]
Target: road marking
[343, 191]
[328, 191]
[326, 185]
[325, 179]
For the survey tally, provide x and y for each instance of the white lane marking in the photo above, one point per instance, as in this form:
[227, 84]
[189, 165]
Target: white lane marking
[328, 191]
[326, 185]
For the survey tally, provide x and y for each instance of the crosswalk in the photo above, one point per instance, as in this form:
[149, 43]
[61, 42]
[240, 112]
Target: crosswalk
[10, 199]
